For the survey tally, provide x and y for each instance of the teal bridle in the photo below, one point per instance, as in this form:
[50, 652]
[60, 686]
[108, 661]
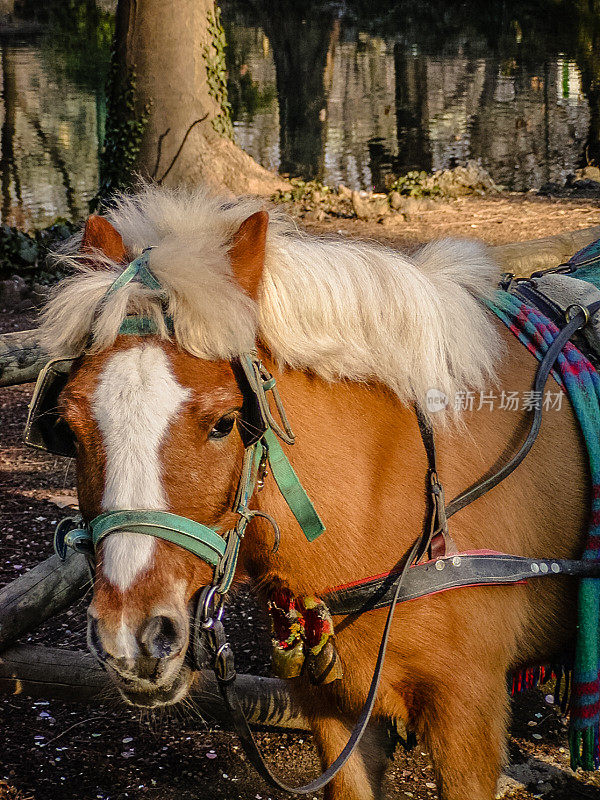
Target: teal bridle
[262, 451]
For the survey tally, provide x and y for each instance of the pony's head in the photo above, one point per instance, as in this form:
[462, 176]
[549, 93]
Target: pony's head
[156, 429]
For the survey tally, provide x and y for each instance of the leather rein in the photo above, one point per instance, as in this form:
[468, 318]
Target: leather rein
[445, 569]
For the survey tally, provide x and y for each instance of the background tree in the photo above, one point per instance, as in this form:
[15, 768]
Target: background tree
[303, 35]
[8, 165]
[168, 115]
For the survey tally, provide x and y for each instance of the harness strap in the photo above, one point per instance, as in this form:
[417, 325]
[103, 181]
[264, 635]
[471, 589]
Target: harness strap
[143, 326]
[136, 270]
[378, 592]
[292, 490]
[261, 381]
[480, 568]
[438, 541]
[475, 492]
[198, 539]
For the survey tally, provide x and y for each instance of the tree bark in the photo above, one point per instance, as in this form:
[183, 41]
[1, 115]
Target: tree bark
[176, 61]
[8, 166]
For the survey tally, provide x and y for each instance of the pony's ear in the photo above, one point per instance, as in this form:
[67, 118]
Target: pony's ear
[247, 252]
[99, 234]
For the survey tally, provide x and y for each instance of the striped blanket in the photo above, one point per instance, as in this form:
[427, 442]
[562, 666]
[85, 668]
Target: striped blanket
[580, 380]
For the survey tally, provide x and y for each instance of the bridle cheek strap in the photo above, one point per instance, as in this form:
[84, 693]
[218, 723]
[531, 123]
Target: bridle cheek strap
[291, 489]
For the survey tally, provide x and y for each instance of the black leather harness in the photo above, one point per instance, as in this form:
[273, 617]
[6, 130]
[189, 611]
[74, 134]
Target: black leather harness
[466, 569]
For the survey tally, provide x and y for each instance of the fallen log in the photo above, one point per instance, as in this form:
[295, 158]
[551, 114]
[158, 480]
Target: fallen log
[523, 258]
[21, 358]
[55, 674]
[39, 594]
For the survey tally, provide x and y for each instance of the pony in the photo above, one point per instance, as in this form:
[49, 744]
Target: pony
[356, 335]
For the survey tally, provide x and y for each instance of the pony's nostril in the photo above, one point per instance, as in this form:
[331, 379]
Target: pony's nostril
[162, 636]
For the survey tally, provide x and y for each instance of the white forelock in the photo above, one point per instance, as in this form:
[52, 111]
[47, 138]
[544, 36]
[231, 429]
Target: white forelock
[136, 398]
[341, 308]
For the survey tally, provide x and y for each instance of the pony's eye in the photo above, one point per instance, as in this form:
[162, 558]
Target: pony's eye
[223, 427]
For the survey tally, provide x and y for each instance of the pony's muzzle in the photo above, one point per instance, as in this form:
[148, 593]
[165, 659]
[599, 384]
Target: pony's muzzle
[147, 656]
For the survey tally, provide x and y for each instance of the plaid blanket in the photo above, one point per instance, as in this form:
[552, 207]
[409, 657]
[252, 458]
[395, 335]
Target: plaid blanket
[576, 375]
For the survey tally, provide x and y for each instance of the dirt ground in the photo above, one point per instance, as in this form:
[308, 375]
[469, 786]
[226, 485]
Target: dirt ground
[68, 751]
[496, 219]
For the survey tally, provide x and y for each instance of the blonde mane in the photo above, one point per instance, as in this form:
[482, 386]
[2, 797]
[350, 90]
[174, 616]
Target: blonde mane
[343, 309]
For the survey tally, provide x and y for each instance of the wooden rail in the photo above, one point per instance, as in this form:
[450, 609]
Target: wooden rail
[40, 594]
[523, 258]
[21, 358]
[52, 673]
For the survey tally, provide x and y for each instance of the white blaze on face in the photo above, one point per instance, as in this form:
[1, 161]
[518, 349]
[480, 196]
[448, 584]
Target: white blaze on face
[136, 399]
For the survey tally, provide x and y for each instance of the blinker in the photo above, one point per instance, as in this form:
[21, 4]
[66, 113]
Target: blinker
[45, 429]
[252, 424]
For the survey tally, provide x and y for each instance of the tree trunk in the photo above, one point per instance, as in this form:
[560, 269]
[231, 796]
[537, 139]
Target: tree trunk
[174, 56]
[303, 36]
[8, 166]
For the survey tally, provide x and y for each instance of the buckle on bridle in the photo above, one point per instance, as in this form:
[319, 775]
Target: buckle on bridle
[573, 310]
[71, 532]
[263, 470]
[224, 664]
[210, 606]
